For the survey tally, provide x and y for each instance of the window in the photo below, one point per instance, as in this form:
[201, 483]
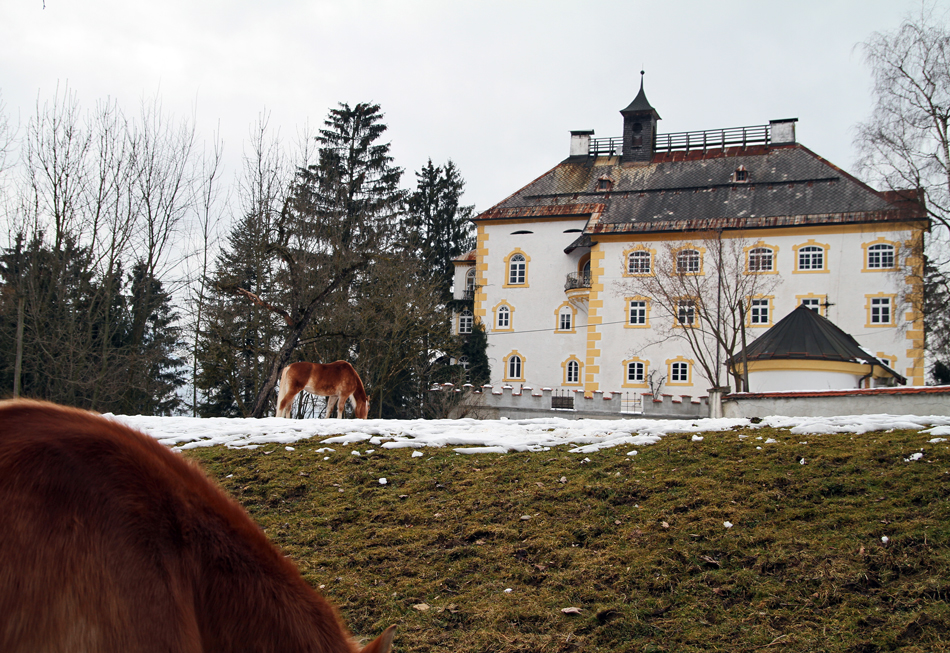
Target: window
[741, 174]
[503, 318]
[638, 312]
[638, 262]
[687, 261]
[881, 257]
[565, 319]
[463, 361]
[817, 303]
[881, 310]
[813, 303]
[686, 312]
[604, 183]
[466, 320]
[517, 266]
[514, 366]
[635, 372]
[811, 257]
[761, 259]
[759, 311]
[470, 283]
[572, 373]
[679, 372]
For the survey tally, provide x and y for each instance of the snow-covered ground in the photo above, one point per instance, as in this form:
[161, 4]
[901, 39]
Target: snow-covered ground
[500, 436]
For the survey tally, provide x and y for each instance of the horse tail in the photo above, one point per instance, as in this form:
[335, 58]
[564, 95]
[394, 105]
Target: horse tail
[282, 392]
[359, 399]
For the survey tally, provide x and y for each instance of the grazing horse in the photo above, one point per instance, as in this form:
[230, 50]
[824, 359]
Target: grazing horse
[336, 381]
[110, 542]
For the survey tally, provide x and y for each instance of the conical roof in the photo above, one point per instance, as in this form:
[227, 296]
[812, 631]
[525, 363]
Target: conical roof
[640, 103]
[803, 334]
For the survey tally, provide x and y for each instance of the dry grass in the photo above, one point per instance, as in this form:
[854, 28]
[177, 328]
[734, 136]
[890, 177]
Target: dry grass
[637, 543]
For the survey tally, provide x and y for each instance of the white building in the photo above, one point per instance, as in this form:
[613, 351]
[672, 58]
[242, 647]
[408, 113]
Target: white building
[552, 275]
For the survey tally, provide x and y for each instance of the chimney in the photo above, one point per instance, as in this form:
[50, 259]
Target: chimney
[580, 142]
[782, 132]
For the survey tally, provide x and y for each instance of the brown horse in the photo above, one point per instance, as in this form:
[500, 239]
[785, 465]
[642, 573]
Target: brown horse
[336, 381]
[110, 542]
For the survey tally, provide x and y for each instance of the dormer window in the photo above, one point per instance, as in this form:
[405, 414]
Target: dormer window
[741, 175]
[604, 183]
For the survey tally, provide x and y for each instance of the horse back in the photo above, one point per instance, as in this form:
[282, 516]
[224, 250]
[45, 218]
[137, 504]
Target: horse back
[111, 542]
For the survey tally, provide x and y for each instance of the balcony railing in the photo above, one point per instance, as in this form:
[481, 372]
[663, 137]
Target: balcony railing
[577, 280]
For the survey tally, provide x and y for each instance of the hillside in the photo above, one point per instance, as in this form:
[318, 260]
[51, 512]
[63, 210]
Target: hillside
[837, 542]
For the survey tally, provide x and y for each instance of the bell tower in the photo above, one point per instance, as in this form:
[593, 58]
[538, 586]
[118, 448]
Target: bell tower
[639, 129]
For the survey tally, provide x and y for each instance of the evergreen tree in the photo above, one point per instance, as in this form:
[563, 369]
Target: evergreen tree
[338, 218]
[474, 348]
[438, 228]
[155, 368]
[239, 339]
[78, 343]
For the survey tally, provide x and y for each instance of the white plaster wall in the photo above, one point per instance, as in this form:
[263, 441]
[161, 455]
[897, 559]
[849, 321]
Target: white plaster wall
[777, 381]
[534, 306]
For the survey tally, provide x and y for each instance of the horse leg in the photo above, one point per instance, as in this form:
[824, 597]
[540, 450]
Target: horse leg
[285, 398]
[331, 404]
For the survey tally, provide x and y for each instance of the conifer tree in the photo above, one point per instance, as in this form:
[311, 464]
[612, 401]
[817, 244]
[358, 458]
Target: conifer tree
[438, 228]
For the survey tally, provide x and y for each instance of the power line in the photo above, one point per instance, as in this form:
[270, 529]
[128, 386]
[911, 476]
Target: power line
[584, 326]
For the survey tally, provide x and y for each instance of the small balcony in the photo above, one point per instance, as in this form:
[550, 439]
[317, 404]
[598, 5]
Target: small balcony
[577, 289]
[577, 280]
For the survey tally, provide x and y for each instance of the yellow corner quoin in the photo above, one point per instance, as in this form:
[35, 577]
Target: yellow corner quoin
[481, 271]
[594, 320]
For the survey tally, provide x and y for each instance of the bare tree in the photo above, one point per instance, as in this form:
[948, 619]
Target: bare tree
[904, 147]
[702, 289]
[209, 210]
[905, 144]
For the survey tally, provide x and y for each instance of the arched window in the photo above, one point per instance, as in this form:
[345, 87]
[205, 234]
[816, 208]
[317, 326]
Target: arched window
[679, 372]
[881, 257]
[466, 319]
[517, 265]
[572, 373]
[811, 257]
[470, 283]
[635, 372]
[638, 262]
[686, 312]
[503, 318]
[761, 259]
[687, 261]
[514, 366]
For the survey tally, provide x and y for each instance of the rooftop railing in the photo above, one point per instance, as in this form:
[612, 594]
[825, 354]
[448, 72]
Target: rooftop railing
[690, 141]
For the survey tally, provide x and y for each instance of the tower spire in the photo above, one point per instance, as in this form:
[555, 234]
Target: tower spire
[639, 128]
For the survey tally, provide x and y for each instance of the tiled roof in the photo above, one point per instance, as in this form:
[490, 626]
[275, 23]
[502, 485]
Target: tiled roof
[803, 334]
[787, 185]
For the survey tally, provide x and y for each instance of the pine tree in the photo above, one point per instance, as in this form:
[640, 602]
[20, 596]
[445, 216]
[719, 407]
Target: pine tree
[340, 215]
[239, 337]
[438, 228]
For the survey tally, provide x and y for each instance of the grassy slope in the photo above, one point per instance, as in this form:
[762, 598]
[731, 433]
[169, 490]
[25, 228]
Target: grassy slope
[636, 542]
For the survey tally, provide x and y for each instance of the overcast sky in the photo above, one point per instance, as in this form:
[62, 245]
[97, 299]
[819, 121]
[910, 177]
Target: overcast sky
[495, 86]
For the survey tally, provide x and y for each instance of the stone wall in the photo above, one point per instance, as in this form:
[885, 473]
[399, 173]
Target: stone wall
[828, 403]
[488, 402]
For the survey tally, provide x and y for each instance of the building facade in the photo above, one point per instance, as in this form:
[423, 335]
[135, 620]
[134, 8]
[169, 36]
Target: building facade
[574, 276]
